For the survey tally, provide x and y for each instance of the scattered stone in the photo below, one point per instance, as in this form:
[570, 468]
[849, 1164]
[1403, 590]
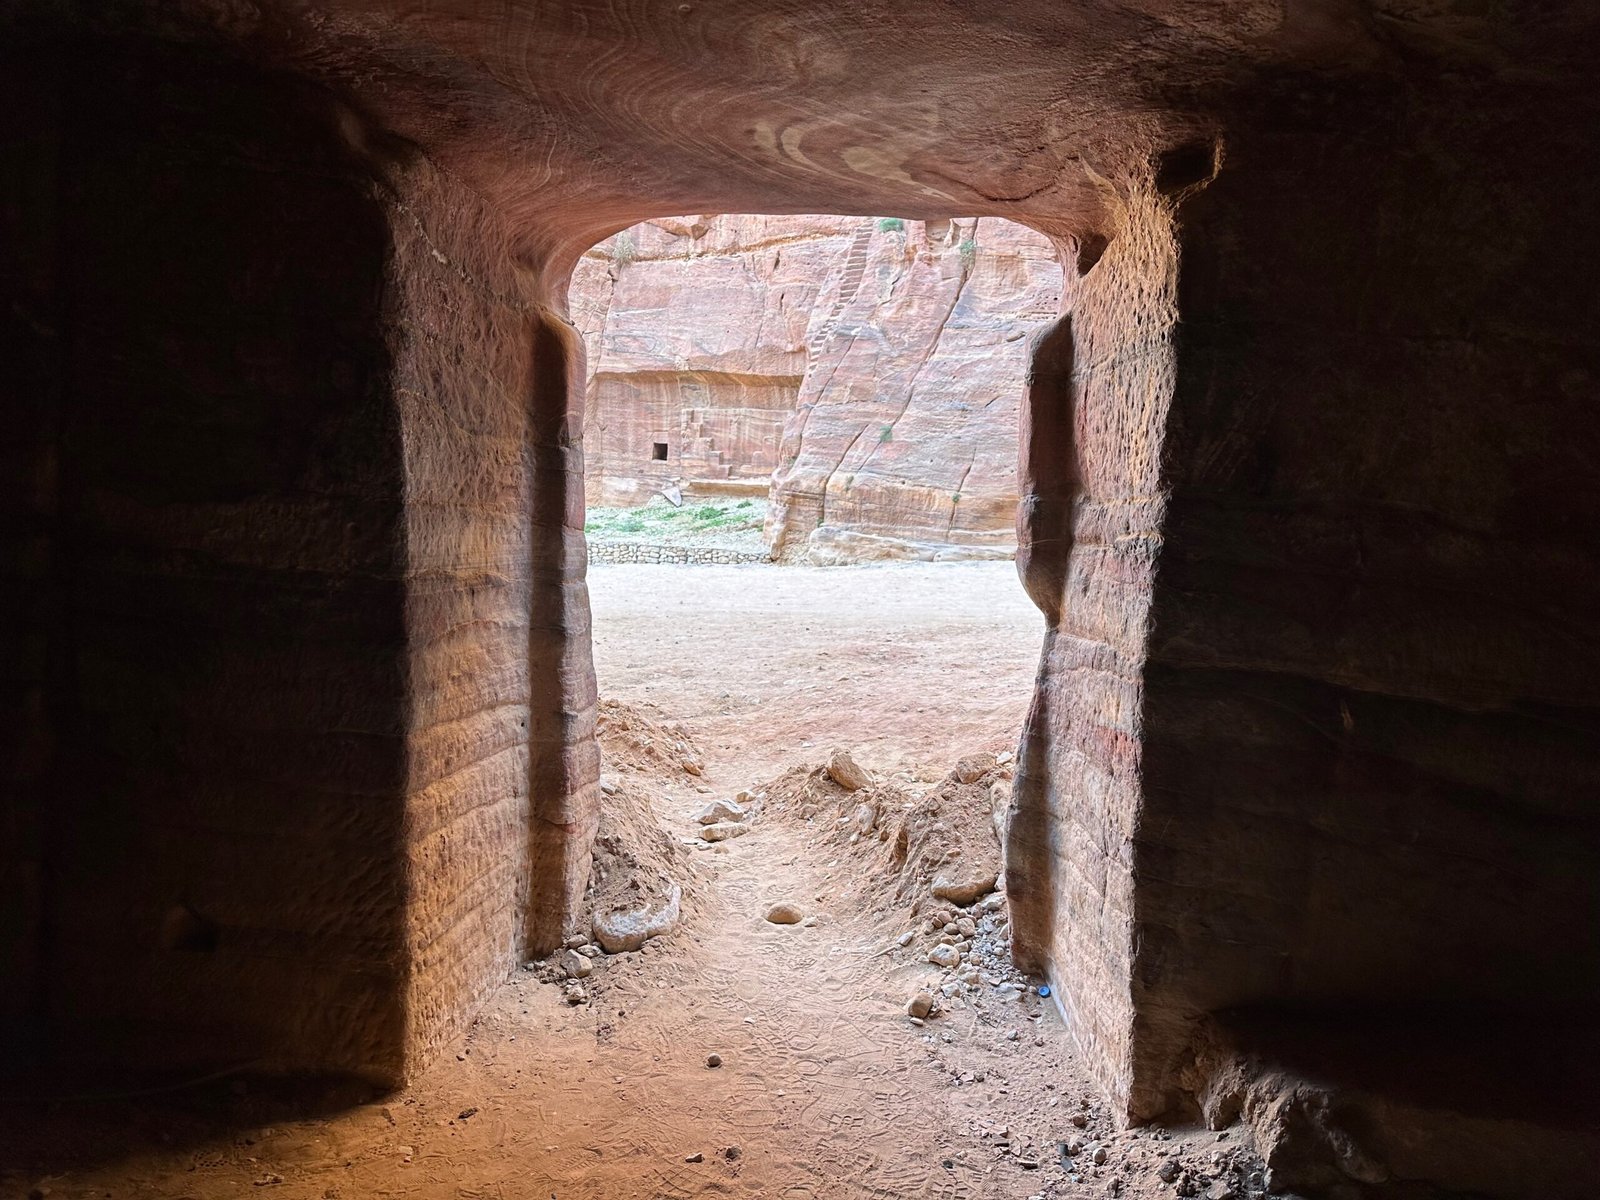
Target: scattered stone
[608, 787]
[713, 1060]
[732, 1152]
[993, 902]
[944, 956]
[575, 992]
[963, 890]
[918, 1022]
[466, 1114]
[1079, 1119]
[1168, 1171]
[966, 927]
[624, 929]
[1075, 1145]
[973, 768]
[575, 965]
[905, 939]
[920, 1005]
[700, 787]
[721, 831]
[719, 810]
[695, 1158]
[1220, 1190]
[785, 913]
[590, 951]
[1099, 1156]
[574, 940]
[845, 771]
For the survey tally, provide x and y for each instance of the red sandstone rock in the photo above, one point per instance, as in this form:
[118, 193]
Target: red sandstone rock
[872, 369]
[904, 441]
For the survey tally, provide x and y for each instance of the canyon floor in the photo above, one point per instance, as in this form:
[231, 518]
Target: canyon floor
[825, 1087]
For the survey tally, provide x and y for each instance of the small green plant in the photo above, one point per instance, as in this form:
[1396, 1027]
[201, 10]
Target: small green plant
[968, 249]
[622, 249]
[745, 504]
[630, 525]
[891, 225]
[886, 434]
[708, 512]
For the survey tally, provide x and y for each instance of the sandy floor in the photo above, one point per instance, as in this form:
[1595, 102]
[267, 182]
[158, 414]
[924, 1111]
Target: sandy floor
[913, 664]
[826, 1088]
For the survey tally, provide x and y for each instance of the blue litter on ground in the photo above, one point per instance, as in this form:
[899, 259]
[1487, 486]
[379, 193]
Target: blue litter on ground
[1044, 989]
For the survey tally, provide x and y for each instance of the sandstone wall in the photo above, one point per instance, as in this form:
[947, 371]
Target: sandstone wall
[696, 335]
[1309, 502]
[223, 573]
[870, 370]
[904, 437]
[276, 759]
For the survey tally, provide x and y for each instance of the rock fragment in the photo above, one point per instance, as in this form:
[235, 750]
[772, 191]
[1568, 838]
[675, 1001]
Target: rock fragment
[785, 913]
[622, 929]
[721, 831]
[944, 955]
[719, 810]
[846, 772]
[920, 1004]
[963, 889]
[713, 1060]
[575, 965]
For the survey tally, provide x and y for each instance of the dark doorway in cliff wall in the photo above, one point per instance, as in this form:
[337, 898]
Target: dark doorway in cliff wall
[800, 445]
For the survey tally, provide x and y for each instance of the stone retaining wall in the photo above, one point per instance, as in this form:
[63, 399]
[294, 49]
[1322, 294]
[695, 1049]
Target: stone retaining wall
[650, 552]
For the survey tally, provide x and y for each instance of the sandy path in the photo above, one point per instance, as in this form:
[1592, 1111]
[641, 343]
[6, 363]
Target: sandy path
[826, 1087]
[913, 663]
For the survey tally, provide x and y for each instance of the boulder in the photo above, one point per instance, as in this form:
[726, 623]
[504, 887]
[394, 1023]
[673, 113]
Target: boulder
[846, 772]
[622, 929]
[720, 810]
[963, 889]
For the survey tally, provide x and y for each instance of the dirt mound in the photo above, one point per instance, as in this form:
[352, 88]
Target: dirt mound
[636, 742]
[640, 876]
[942, 843]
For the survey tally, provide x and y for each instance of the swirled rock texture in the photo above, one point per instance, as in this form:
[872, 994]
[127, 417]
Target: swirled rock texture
[868, 371]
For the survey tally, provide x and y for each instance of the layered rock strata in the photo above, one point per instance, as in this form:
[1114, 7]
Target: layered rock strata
[868, 370]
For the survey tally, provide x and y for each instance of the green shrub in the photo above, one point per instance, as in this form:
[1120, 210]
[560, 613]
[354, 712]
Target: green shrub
[891, 225]
[622, 249]
[968, 249]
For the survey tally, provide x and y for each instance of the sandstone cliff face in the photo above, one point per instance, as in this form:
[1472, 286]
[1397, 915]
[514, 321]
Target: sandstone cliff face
[869, 370]
[905, 438]
[696, 335]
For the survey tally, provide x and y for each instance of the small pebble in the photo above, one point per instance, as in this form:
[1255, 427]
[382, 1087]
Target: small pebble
[732, 1152]
[695, 1158]
[713, 1060]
